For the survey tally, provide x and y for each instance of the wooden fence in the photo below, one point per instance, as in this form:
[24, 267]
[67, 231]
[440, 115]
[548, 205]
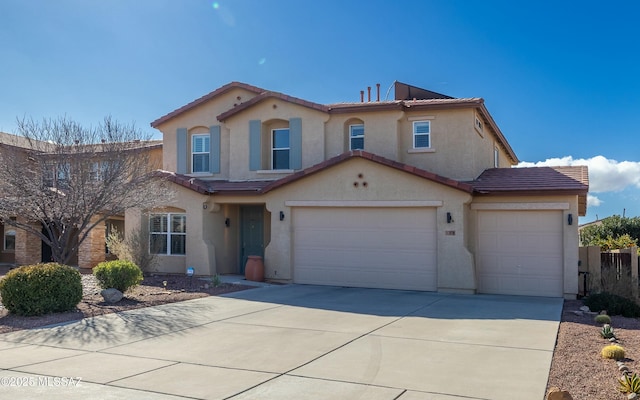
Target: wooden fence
[614, 272]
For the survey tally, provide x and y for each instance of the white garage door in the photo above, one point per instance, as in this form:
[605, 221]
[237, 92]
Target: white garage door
[520, 252]
[393, 248]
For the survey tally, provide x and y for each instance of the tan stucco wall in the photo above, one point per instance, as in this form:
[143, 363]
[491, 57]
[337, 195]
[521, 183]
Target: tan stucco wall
[270, 110]
[457, 151]
[204, 115]
[455, 263]
[380, 133]
[570, 232]
[199, 246]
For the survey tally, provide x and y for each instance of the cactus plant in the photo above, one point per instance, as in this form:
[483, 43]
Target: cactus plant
[613, 351]
[603, 319]
[629, 384]
[607, 332]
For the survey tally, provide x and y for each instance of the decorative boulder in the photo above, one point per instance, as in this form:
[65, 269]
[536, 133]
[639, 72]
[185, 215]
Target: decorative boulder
[111, 295]
[557, 394]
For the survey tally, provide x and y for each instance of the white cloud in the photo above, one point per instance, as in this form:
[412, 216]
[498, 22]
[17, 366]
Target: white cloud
[593, 201]
[605, 175]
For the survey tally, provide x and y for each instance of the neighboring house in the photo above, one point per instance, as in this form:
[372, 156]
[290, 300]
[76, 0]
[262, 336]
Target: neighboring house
[21, 248]
[414, 193]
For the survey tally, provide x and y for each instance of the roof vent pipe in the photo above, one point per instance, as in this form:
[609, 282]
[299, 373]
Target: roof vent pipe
[362, 96]
[369, 94]
[378, 92]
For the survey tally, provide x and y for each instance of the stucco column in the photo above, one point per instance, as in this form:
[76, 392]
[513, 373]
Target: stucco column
[92, 250]
[28, 246]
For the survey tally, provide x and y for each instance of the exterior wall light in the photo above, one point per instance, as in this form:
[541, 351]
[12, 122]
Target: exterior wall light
[281, 215]
[449, 218]
[570, 219]
[227, 222]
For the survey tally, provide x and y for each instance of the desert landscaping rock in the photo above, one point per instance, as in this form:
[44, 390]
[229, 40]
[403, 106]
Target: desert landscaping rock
[150, 292]
[557, 394]
[111, 295]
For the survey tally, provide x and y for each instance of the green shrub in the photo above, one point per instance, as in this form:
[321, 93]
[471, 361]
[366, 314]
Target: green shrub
[118, 274]
[603, 319]
[614, 304]
[41, 289]
[613, 351]
[629, 384]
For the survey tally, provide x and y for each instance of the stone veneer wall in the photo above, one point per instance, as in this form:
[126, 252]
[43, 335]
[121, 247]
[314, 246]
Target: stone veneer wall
[28, 247]
[92, 250]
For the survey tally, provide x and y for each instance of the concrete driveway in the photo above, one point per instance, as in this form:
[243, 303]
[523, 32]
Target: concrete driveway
[294, 342]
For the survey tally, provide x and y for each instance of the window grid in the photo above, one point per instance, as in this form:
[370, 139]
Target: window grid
[421, 134]
[200, 153]
[167, 234]
[356, 137]
[280, 148]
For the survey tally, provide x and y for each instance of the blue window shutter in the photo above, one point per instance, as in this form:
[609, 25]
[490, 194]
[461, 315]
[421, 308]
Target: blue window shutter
[255, 145]
[214, 149]
[295, 143]
[181, 137]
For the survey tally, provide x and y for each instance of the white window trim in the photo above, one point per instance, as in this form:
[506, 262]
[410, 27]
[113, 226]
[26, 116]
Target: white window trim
[193, 153]
[279, 148]
[356, 137]
[496, 157]
[413, 137]
[421, 150]
[168, 233]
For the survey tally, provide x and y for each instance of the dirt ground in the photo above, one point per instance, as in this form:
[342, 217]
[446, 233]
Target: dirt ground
[577, 365]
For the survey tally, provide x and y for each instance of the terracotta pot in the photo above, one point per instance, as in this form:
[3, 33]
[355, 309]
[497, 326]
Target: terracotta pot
[254, 270]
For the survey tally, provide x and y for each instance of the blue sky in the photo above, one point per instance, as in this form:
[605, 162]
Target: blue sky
[561, 79]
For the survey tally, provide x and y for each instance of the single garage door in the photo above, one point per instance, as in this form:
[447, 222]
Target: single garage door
[520, 252]
[392, 248]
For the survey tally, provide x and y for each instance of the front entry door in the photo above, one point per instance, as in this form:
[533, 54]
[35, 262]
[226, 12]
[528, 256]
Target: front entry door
[251, 233]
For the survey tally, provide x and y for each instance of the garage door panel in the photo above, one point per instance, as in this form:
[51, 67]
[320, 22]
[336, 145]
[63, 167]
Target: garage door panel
[367, 247]
[520, 252]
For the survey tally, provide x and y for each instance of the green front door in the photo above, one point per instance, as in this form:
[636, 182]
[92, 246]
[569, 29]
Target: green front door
[251, 233]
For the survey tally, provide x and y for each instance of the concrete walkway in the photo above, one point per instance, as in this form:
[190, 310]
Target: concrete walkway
[294, 342]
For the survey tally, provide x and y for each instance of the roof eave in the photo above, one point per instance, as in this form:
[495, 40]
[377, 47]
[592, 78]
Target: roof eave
[221, 90]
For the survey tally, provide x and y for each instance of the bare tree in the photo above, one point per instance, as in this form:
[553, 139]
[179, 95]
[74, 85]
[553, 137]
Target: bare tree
[71, 178]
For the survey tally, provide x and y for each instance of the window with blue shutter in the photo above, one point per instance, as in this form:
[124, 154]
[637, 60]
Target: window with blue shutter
[181, 150]
[280, 149]
[214, 159]
[200, 153]
[295, 143]
[255, 145]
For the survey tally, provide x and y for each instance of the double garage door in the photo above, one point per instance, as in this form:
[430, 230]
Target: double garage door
[378, 247]
[520, 253]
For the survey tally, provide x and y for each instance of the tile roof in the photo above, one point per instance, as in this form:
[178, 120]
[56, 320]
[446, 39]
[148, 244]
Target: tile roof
[204, 99]
[440, 102]
[267, 95]
[534, 179]
[203, 186]
[372, 157]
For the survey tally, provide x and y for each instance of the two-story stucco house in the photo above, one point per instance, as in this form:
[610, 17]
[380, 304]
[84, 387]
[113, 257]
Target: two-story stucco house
[415, 193]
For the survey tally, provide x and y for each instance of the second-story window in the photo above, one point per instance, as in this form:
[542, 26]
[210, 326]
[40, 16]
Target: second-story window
[421, 134]
[200, 153]
[280, 149]
[356, 137]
